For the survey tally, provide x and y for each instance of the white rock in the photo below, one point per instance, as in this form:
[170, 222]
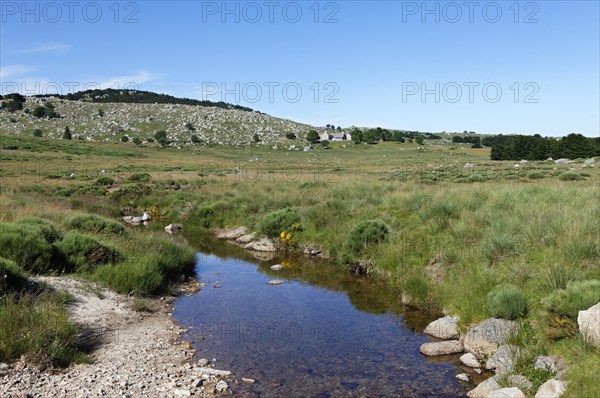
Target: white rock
[484, 389]
[462, 376]
[589, 162]
[469, 360]
[502, 361]
[512, 392]
[277, 267]
[212, 372]
[221, 386]
[469, 166]
[441, 348]
[551, 389]
[263, 245]
[245, 239]
[232, 233]
[444, 328]
[484, 338]
[589, 324]
[545, 363]
[182, 392]
[275, 282]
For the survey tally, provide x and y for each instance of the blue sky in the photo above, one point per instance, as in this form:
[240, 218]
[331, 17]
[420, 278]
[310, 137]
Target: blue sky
[490, 67]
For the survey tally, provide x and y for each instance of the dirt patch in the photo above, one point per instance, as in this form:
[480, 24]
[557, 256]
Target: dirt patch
[133, 354]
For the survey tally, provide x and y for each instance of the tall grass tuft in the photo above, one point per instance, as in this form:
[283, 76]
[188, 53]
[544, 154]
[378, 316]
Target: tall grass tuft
[96, 224]
[82, 253]
[578, 296]
[508, 302]
[37, 327]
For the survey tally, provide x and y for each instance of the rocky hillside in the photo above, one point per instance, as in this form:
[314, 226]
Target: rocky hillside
[111, 121]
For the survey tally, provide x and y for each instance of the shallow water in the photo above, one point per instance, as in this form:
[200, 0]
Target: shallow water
[323, 333]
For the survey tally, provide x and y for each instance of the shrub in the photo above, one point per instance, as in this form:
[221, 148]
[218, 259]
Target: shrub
[137, 275]
[508, 302]
[124, 138]
[26, 246]
[417, 288]
[536, 175]
[96, 224]
[570, 176]
[37, 327]
[273, 223]
[83, 253]
[139, 177]
[366, 233]
[38, 133]
[104, 181]
[137, 140]
[43, 227]
[162, 263]
[578, 296]
[11, 277]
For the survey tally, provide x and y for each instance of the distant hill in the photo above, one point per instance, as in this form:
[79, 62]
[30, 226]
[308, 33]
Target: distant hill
[131, 115]
[139, 97]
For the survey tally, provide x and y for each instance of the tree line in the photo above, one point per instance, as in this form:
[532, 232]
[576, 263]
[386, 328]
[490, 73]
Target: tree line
[536, 147]
[140, 97]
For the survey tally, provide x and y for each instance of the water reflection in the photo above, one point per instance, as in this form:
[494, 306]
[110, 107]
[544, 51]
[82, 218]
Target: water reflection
[323, 333]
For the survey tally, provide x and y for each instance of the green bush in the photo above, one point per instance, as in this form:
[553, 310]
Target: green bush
[139, 177]
[570, 176]
[43, 227]
[104, 181]
[274, 223]
[366, 233]
[138, 275]
[37, 327]
[536, 175]
[96, 224]
[27, 247]
[162, 264]
[508, 302]
[83, 253]
[11, 277]
[578, 296]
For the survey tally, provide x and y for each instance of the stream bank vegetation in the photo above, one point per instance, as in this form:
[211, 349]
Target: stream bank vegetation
[451, 230]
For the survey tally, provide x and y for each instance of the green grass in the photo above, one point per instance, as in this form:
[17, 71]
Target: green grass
[37, 327]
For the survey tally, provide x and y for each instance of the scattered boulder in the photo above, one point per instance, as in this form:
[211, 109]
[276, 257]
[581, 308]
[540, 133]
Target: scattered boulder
[441, 348]
[484, 389]
[444, 328]
[551, 389]
[469, 166]
[484, 338]
[245, 239]
[171, 228]
[263, 245]
[275, 282]
[503, 360]
[212, 372]
[589, 324]
[277, 267]
[469, 360]
[512, 392]
[137, 220]
[462, 376]
[589, 162]
[435, 269]
[221, 386]
[545, 363]
[248, 380]
[182, 392]
[563, 161]
[231, 234]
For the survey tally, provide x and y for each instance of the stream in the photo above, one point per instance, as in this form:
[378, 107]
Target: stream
[322, 333]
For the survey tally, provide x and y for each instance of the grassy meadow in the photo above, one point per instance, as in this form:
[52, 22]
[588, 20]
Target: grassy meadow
[519, 241]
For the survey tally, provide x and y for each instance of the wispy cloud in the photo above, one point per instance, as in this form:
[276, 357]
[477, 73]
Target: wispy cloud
[130, 81]
[52, 48]
[14, 71]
